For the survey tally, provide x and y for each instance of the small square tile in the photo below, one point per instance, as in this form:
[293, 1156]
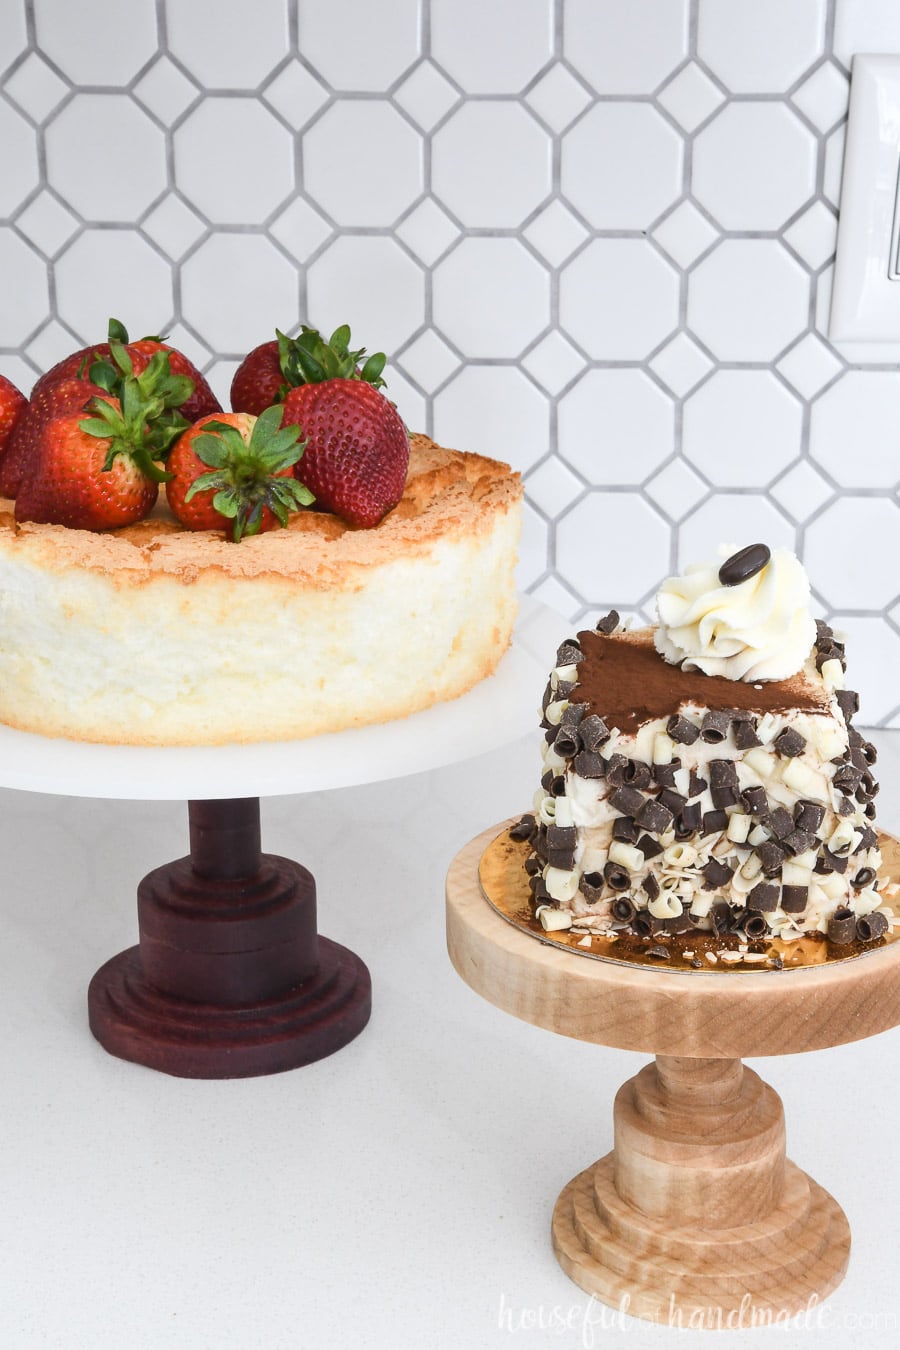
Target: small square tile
[429, 361]
[681, 365]
[691, 96]
[174, 226]
[676, 489]
[300, 229]
[810, 365]
[428, 231]
[814, 235]
[47, 223]
[51, 344]
[35, 87]
[552, 486]
[685, 234]
[427, 95]
[824, 96]
[558, 97]
[801, 491]
[553, 363]
[556, 596]
[166, 90]
[296, 94]
[556, 233]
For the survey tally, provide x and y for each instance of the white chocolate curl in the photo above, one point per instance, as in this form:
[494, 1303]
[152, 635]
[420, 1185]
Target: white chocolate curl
[761, 629]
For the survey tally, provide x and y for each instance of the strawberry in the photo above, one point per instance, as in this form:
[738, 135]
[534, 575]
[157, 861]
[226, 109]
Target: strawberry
[271, 370]
[67, 395]
[96, 472]
[11, 404]
[357, 451]
[234, 471]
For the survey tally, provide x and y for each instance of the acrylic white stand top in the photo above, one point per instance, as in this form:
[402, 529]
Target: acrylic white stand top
[497, 711]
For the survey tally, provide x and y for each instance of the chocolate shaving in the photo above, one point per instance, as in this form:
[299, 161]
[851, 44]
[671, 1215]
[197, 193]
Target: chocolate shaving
[654, 816]
[627, 800]
[672, 800]
[573, 713]
[570, 653]
[724, 794]
[558, 786]
[561, 836]
[664, 774]
[589, 765]
[591, 887]
[714, 727]
[830, 862]
[772, 856]
[754, 925]
[623, 909]
[808, 816]
[779, 822]
[798, 841]
[616, 876]
[688, 822]
[794, 899]
[636, 774]
[524, 829]
[650, 886]
[615, 769]
[842, 927]
[609, 623]
[594, 732]
[756, 801]
[790, 743]
[696, 784]
[646, 925]
[625, 830]
[714, 822]
[650, 847]
[721, 918]
[567, 742]
[680, 730]
[864, 877]
[715, 874]
[562, 858]
[763, 897]
[871, 926]
[745, 737]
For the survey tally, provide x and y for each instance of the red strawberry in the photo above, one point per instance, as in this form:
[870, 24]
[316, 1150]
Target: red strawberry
[234, 471]
[11, 404]
[67, 395]
[95, 472]
[271, 370]
[357, 451]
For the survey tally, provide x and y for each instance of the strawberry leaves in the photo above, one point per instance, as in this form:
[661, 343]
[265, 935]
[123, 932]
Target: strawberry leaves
[248, 477]
[310, 359]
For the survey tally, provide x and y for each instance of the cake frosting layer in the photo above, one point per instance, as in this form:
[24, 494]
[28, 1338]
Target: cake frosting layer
[154, 635]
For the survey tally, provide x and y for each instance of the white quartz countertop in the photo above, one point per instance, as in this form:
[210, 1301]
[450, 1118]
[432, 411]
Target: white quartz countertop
[395, 1195]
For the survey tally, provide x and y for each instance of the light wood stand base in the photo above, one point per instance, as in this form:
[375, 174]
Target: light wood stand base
[697, 1219]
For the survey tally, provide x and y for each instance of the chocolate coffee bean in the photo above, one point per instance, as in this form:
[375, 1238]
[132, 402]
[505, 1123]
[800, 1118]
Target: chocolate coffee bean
[744, 564]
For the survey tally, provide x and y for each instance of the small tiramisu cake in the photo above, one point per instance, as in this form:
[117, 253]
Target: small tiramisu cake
[704, 777]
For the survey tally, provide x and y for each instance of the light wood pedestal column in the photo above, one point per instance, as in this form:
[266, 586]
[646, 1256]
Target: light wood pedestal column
[696, 1217]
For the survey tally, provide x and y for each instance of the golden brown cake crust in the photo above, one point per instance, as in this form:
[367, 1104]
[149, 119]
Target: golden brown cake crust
[447, 493]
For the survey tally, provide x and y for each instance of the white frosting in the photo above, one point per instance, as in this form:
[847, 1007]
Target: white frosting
[761, 629]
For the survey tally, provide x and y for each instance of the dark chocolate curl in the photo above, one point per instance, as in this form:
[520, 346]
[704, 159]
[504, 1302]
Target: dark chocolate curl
[650, 886]
[623, 909]
[756, 801]
[664, 774]
[864, 877]
[714, 822]
[680, 730]
[696, 784]
[798, 841]
[771, 855]
[627, 800]
[636, 774]
[780, 822]
[745, 737]
[790, 743]
[794, 899]
[589, 765]
[842, 927]
[609, 623]
[808, 816]
[646, 925]
[715, 874]
[755, 926]
[616, 876]
[650, 847]
[625, 830]
[848, 702]
[570, 653]
[688, 822]
[763, 897]
[561, 836]
[672, 800]
[654, 816]
[594, 732]
[871, 926]
[591, 886]
[615, 770]
[568, 741]
[714, 727]
[524, 829]
[721, 918]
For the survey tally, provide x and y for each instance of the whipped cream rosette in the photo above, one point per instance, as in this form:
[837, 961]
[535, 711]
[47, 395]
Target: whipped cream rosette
[703, 788]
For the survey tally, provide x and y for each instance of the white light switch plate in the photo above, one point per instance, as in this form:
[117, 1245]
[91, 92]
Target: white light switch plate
[865, 305]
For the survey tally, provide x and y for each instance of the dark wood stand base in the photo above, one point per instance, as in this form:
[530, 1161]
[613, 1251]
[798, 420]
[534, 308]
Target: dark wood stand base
[230, 978]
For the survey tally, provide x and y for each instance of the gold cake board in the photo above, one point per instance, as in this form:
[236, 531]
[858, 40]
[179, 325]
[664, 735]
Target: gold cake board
[696, 1218]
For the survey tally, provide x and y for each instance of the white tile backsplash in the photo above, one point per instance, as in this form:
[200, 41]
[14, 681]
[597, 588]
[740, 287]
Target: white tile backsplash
[594, 236]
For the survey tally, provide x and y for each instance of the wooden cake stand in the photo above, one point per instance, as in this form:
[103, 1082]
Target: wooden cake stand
[230, 978]
[696, 1212]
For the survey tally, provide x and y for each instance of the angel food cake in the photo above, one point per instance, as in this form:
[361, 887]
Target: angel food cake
[155, 635]
[704, 777]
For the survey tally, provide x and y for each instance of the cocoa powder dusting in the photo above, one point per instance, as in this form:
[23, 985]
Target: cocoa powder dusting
[626, 681]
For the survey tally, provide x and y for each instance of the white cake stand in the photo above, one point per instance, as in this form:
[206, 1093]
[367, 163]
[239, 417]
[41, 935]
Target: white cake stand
[230, 978]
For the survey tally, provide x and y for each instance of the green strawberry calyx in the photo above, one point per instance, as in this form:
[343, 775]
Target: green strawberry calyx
[245, 476]
[157, 381]
[130, 425]
[310, 359]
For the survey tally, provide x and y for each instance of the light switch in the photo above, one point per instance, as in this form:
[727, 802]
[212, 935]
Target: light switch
[865, 305]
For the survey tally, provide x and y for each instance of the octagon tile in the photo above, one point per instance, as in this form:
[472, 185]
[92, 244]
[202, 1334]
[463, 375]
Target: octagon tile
[225, 144]
[32, 293]
[761, 48]
[20, 159]
[618, 299]
[371, 284]
[873, 651]
[631, 57]
[340, 172]
[495, 411]
[844, 576]
[621, 165]
[235, 289]
[851, 429]
[758, 280]
[504, 56]
[754, 166]
[616, 426]
[363, 48]
[229, 44]
[612, 548]
[491, 297]
[97, 43]
[105, 272]
[490, 164]
[128, 137]
[742, 428]
[735, 519]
